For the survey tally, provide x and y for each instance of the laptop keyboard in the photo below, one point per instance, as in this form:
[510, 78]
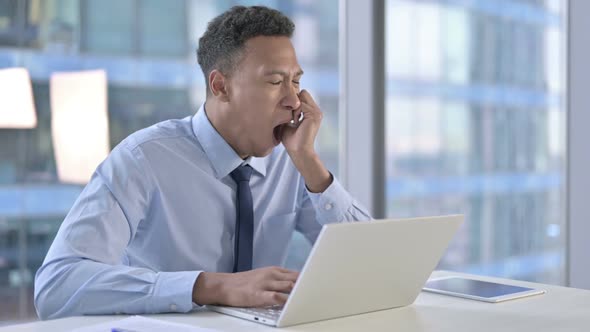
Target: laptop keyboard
[272, 312]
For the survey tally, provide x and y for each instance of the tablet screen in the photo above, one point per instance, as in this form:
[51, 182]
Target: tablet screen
[474, 287]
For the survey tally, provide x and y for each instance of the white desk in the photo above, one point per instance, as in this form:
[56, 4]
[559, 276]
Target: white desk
[561, 309]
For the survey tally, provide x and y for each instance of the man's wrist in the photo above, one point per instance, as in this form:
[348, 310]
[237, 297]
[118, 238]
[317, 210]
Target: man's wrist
[208, 288]
[316, 175]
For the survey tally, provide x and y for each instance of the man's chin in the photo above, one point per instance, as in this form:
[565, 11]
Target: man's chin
[264, 152]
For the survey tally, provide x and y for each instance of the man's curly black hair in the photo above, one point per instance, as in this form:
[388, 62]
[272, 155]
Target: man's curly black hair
[222, 45]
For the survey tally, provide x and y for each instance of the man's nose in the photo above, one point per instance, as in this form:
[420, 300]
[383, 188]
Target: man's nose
[291, 100]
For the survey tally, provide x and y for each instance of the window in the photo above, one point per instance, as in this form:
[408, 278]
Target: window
[108, 27]
[19, 22]
[146, 27]
[163, 35]
[475, 122]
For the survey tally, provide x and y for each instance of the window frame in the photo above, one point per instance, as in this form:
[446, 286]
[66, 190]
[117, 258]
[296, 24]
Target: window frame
[362, 101]
[578, 159]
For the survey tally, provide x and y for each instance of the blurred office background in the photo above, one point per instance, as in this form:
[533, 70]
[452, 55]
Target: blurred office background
[475, 116]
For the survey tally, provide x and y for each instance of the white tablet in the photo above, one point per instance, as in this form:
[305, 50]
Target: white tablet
[478, 290]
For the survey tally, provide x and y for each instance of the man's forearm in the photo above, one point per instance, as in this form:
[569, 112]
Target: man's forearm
[317, 177]
[84, 287]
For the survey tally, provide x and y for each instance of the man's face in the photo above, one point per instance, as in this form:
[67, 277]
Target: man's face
[263, 91]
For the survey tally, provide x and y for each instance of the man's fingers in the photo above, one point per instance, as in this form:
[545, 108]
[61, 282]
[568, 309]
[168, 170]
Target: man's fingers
[280, 286]
[306, 98]
[304, 95]
[290, 276]
[274, 298]
[282, 270]
[285, 275]
[311, 112]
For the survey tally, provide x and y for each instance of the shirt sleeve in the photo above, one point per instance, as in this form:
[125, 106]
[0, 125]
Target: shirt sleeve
[84, 271]
[334, 205]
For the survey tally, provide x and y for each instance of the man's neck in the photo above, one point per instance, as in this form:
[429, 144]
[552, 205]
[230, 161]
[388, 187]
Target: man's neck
[218, 117]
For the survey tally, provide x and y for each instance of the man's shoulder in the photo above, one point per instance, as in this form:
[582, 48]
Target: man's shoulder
[165, 132]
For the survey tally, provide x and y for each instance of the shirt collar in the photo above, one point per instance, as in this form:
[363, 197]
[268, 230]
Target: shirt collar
[222, 156]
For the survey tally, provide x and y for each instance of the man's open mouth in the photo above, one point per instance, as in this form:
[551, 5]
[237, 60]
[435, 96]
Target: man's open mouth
[278, 133]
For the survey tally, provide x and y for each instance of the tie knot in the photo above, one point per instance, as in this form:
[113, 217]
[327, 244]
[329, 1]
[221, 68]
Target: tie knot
[242, 173]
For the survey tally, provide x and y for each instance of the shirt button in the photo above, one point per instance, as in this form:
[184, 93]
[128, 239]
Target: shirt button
[328, 206]
[173, 307]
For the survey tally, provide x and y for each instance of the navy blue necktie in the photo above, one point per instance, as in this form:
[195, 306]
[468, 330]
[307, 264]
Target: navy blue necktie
[244, 234]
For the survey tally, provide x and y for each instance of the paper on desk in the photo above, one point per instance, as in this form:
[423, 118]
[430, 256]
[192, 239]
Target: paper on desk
[141, 324]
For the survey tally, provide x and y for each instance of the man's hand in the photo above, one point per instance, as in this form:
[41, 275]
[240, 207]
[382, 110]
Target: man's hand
[300, 140]
[256, 288]
[299, 143]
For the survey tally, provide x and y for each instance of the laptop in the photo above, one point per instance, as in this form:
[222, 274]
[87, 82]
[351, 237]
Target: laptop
[360, 267]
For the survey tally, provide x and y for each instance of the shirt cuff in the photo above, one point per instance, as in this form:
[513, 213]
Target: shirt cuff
[332, 204]
[173, 291]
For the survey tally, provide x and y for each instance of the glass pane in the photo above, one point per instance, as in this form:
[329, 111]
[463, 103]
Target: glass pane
[8, 22]
[163, 34]
[475, 124]
[60, 25]
[109, 26]
[20, 22]
[132, 109]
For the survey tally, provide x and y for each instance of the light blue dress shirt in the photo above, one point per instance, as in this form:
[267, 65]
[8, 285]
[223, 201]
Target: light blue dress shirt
[161, 209]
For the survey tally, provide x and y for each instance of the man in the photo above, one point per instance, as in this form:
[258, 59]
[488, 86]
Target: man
[201, 210]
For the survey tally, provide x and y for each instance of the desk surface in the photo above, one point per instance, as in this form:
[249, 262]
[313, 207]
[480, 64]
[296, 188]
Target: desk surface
[561, 309]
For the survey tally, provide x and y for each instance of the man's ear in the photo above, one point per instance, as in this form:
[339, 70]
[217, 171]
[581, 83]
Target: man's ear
[218, 85]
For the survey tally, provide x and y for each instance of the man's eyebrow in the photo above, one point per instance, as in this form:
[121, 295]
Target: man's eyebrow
[282, 73]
